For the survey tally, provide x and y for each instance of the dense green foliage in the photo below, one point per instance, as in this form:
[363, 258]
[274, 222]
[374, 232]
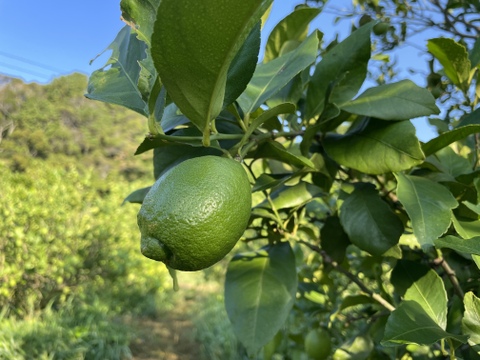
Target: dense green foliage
[346, 197]
[56, 123]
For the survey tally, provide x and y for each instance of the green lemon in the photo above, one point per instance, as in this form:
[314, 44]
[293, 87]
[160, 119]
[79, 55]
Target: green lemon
[195, 213]
[318, 344]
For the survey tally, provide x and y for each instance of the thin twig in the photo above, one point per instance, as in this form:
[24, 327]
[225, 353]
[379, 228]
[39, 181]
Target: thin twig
[440, 261]
[351, 276]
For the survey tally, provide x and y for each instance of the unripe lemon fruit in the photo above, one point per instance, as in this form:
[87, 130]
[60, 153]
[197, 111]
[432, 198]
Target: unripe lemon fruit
[195, 213]
[318, 344]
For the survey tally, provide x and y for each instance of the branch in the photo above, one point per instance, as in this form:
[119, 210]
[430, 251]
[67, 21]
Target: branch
[440, 261]
[351, 276]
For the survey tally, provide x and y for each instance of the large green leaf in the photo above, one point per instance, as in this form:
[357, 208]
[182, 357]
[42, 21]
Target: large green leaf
[469, 246]
[344, 67]
[116, 82]
[193, 45]
[369, 221]
[260, 290]
[410, 324]
[269, 78]
[289, 32]
[429, 292]
[377, 148]
[428, 204]
[398, 101]
[448, 138]
[454, 58]
[471, 319]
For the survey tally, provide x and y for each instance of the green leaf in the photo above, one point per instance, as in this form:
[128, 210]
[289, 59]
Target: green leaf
[469, 246]
[398, 101]
[291, 196]
[193, 46]
[116, 82]
[268, 181]
[345, 65]
[472, 118]
[242, 67]
[285, 108]
[471, 319]
[428, 205]
[449, 162]
[140, 15]
[260, 290]
[410, 324]
[292, 29]
[405, 273]
[369, 221]
[269, 78]
[429, 292]
[333, 239]
[448, 138]
[377, 148]
[137, 196]
[466, 229]
[474, 54]
[172, 154]
[274, 150]
[454, 59]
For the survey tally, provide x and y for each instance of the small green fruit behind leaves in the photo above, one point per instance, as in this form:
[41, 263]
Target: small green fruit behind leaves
[318, 344]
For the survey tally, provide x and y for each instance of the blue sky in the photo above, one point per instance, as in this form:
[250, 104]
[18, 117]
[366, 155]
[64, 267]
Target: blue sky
[40, 40]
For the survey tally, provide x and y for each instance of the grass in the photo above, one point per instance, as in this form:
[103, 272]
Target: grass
[74, 331]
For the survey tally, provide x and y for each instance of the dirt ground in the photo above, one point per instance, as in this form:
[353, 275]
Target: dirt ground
[170, 336]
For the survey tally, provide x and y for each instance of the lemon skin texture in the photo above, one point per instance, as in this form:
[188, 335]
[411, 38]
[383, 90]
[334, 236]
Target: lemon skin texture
[195, 213]
[318, 344]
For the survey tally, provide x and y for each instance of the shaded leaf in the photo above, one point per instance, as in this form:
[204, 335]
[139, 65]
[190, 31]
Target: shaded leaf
[291, 196]
[377, 148]
[448, 138]
[293, 28]
[116, 82]
[369, 221]
[260, 290]
[348, 60]
[193, 45]
[269, 78]
[285, 108]
[428, 205]
[405, 273]
[274, 150]
[242, 67]
[172, 154]
[333, 239]
[398, 101]
[472, 118]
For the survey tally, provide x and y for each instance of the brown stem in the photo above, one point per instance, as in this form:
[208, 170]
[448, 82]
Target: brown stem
[440, 261]
[351, 276]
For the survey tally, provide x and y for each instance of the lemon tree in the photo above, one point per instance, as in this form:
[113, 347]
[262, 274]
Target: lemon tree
[354, 224]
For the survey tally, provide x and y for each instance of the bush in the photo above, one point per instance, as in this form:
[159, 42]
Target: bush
[64, 232]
